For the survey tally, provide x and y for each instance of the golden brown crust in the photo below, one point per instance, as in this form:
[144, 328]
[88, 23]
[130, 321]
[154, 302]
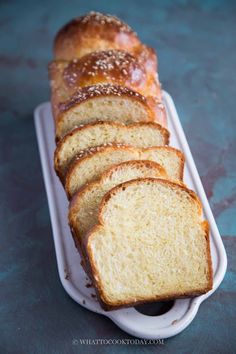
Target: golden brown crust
[84, 261]
[94, 274]
[77, 238]
[96, 67]
[206, 227]
[98, 32]
[119, 305]
[158, 110]
[83, 128]
[147, 56]
[111, 307]
[111, 66]
[91, 32]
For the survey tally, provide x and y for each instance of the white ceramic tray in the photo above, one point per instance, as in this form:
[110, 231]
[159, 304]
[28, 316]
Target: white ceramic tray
[71, 273]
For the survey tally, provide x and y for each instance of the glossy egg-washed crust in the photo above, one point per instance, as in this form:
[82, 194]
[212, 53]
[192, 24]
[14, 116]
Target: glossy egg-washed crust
[96, 31]
[91, 268]
[111, 66]
[77, 131]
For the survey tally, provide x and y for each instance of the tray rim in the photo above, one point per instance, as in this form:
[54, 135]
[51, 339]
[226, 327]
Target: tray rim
[68, 286]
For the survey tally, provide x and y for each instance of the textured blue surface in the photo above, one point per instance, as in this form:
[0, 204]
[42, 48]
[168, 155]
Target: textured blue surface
[196, 44]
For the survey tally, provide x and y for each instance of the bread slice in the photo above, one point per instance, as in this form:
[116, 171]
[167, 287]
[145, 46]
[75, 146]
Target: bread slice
[150, 244]
[83, 210]
[104, 102]
[90, 167]
[102, 133]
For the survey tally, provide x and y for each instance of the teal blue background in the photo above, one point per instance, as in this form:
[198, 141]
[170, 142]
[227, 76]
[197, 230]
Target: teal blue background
[196, 45]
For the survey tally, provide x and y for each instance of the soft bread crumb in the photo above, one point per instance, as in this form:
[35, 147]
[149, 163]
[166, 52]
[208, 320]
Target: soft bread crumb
[150, 244]
[123, 108]
[107, 133]
[91, 167]
[83, 211]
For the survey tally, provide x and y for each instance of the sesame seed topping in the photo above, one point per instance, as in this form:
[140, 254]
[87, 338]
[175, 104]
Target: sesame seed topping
[99, 90]
[112, 65]
[103, 19]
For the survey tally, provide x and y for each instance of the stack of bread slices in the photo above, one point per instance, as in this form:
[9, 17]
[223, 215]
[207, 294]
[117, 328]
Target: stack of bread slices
[138, 228]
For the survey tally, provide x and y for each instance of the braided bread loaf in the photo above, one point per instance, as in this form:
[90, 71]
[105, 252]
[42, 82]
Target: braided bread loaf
[123, 180]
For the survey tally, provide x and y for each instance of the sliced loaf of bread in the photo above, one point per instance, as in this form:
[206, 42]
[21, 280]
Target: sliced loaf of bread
[103, 133]
[84, 206]
[150, 244]
[98, 160]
